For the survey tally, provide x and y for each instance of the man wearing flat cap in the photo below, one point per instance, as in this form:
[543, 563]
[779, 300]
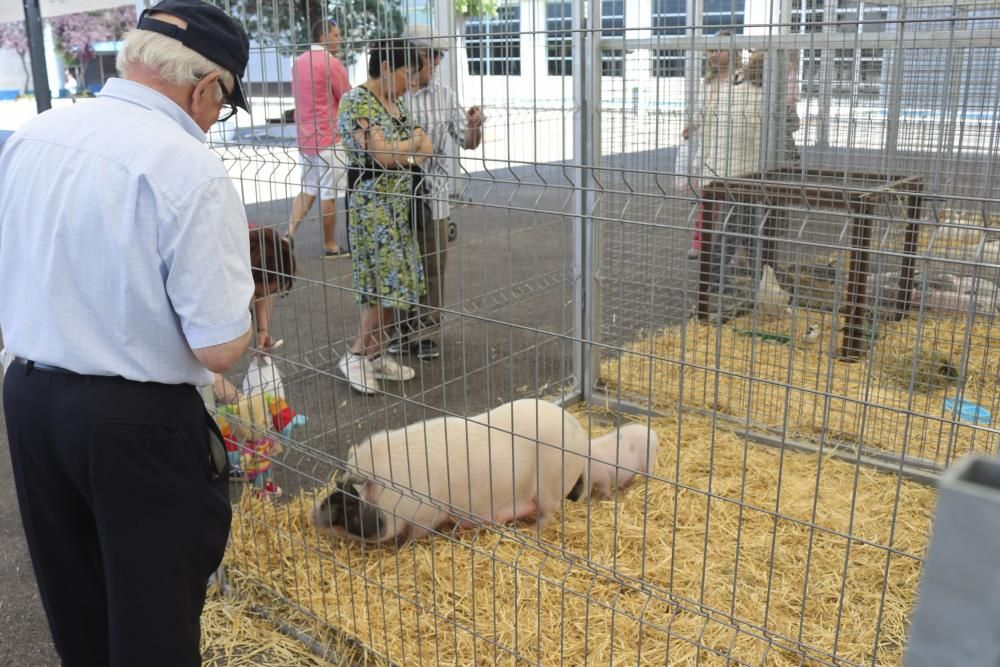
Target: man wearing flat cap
[434, 107]
[125, 269]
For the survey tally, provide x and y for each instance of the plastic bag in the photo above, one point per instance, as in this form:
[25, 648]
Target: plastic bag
[263, 378]
[686, 175]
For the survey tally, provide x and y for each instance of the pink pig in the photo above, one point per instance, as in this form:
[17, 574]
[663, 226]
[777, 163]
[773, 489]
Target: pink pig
[516, 461]
[632, 447]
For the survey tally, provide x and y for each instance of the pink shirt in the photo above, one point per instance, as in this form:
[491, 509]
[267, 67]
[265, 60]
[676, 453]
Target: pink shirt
[318, 82]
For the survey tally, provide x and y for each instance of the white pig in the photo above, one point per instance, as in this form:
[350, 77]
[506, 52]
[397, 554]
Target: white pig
[515, 461]
[636, 448]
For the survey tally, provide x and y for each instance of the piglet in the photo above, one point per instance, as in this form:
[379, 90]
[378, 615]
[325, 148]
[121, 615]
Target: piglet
[517, 461]
[632, 447]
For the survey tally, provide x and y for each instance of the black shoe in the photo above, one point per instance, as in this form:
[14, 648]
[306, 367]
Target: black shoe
[398, 346]
[425, 349]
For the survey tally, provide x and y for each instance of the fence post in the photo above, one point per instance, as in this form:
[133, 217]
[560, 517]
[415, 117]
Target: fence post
[958, 608]
[586, 155]
[895, 82]
[36, 51]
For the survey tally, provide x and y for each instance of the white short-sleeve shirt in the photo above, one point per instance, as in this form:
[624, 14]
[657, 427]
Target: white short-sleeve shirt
[123, 242]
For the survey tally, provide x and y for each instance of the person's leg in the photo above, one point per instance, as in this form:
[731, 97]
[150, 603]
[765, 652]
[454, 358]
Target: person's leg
[432, 240]
[383, 365]
[301, 206]
[124, 523]
[373, 322]
[333, 182]
[365, 364]
[433, 250]
[328, 209]
[162, 514]
[309, 176]
[58, 522]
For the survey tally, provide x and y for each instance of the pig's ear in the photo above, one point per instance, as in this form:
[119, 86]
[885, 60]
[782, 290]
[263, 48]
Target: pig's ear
[366, 490]
[329, 512]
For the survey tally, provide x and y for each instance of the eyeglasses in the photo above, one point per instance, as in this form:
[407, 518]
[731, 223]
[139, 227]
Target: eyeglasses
[226, 114]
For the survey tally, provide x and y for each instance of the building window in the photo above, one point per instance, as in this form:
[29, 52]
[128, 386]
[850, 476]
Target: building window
[613, 26]
[493, 45]
[559, 38]
[668, 63]
[723, 15]
[669, 18]
[859, 69]
[418, 12]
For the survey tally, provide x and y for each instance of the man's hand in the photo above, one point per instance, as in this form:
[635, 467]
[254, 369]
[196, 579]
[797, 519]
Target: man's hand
[473, 128]
[474, 116]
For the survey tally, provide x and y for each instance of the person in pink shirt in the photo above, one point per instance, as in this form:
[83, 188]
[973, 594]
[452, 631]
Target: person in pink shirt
[319, 80]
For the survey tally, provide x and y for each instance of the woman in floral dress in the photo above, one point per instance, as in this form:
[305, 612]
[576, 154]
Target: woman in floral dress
[383, 149]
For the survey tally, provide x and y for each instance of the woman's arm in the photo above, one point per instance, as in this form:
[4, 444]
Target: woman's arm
[393, 154]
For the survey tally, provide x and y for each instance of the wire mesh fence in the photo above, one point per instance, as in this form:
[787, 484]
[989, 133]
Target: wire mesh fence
[784, 389]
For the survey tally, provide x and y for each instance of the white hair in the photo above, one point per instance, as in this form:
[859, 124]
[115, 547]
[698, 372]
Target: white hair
[174, 63]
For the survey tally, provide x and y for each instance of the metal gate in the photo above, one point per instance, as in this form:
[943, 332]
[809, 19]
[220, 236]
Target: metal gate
[808, 370]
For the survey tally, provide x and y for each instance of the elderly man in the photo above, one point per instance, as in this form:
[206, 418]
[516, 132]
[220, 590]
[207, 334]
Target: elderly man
[434, 107]
[125, 264]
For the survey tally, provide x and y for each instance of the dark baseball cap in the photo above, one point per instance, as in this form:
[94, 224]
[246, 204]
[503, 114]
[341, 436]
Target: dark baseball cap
[210, 32]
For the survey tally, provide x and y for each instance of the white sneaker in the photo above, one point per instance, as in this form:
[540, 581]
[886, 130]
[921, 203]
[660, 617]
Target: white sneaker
[387, 368]
[359, 373]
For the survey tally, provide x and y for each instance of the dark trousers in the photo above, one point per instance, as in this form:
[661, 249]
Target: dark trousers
[432, 239]
[123, 521]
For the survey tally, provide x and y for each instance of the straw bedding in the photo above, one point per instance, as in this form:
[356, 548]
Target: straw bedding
[232, 634]
[807, 390]
[255, 627]
[765, 548]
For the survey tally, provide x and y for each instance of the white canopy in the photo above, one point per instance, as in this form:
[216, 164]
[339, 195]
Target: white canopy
[13, 10]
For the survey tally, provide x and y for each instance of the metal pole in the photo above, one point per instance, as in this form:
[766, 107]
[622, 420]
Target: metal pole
[693, 68]
[36, 51]
[775, 85]
[825, 97]
[583, 160]
[895, 93]
[595, 71]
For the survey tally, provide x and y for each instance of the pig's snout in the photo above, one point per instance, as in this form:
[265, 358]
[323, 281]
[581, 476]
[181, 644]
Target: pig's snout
[343, 512]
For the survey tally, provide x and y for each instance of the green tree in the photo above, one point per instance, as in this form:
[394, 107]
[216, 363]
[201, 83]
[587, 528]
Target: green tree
[286, 24]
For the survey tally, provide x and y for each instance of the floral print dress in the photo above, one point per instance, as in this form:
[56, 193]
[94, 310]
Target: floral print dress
[386, 261]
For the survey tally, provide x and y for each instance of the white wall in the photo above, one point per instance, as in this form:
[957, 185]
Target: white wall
[268, 63]
[11, 72]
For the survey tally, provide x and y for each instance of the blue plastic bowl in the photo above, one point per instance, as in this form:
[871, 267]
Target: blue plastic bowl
[968, 412]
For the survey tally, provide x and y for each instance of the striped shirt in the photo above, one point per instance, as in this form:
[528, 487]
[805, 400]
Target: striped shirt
[436, 109]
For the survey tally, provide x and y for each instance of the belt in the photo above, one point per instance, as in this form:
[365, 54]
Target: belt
[34, 365]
